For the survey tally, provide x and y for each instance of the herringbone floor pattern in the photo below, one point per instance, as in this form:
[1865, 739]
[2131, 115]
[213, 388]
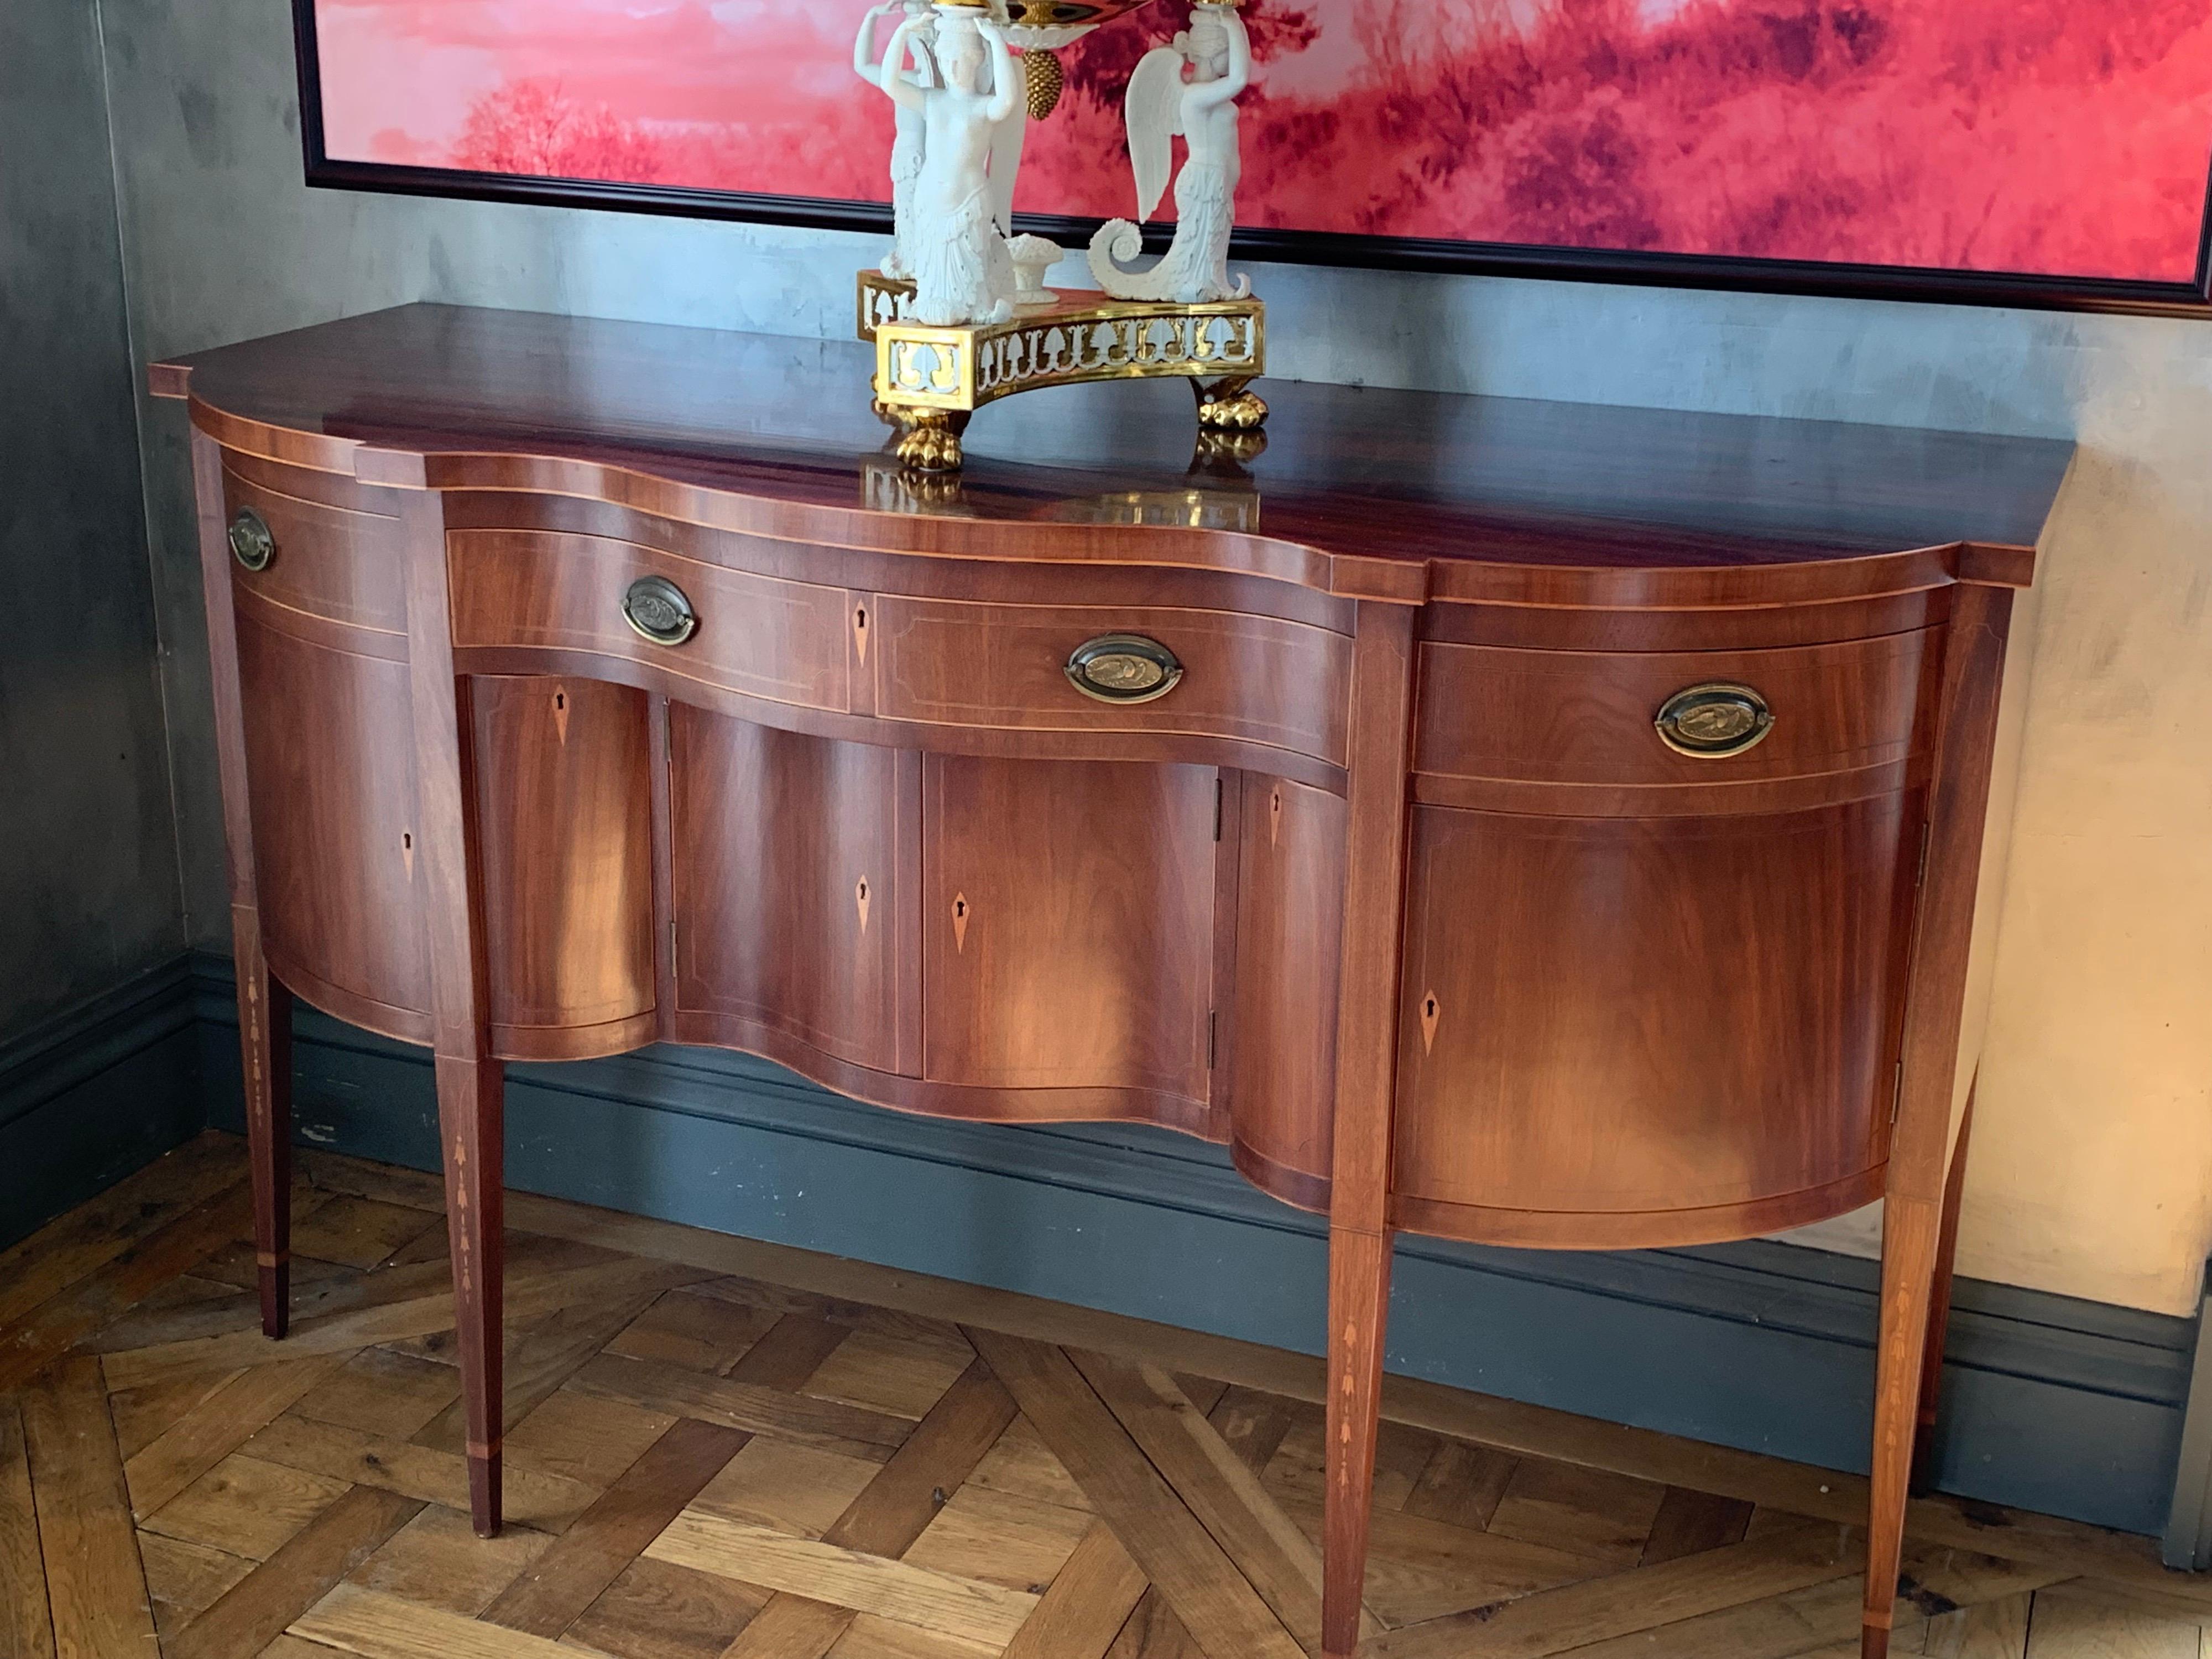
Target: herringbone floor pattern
[719, 1447]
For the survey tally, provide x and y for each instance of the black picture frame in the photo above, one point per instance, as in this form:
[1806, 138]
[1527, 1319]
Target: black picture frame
[1921, 284]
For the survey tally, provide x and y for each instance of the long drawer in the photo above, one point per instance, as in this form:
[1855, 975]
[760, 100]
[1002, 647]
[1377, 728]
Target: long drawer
[1259, 679]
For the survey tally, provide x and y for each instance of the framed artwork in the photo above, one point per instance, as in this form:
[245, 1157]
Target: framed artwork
[2053, 153]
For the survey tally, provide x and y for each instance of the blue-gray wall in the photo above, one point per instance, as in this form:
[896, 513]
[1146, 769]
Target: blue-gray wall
[88, 882]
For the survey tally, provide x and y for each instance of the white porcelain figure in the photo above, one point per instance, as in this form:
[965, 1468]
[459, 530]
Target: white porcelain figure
[1160, 105]
[960, 266]
[907, 143]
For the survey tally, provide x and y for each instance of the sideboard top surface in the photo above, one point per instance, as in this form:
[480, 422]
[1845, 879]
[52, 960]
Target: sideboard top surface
[420, 393]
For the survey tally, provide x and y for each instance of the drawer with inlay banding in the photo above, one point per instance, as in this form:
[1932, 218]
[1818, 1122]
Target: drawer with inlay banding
[1622, 733]
[1154, 669]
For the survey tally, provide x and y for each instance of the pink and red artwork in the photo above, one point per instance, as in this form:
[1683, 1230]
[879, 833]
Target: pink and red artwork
[2056, 139]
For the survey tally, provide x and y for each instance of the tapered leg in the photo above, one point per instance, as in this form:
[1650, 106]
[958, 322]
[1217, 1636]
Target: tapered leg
[470, 1119]
[1939, 1312]
[1358, 1307]
[1911, 1231]
[264, 1038]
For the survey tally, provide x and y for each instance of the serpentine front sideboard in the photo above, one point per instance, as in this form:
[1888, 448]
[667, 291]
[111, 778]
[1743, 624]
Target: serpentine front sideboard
[1533, 823]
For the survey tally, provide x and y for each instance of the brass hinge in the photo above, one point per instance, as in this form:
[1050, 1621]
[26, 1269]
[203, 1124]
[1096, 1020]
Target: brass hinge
[1927, 835]
[1212, 1021]
[1897, 1094]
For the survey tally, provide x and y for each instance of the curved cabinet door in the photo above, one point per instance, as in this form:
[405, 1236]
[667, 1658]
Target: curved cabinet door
[1068, 925]
[1290, 926]
[565, 804]
[788, 868]
[330, 768]
[1640, 1016]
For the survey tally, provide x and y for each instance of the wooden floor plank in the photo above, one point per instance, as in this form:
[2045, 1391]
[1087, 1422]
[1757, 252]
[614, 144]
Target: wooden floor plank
[437, 1559]
[792, 1626]
[74, 1246]
[46, 1333]
[657, 1610]
[891, 1512]
[1462, 1485]
[376, 1626]
[95, 1588]
[378, 1391]
[1995, 1630]
[1086, 1607]
[1578, 1615]
[26, 1630]
[529, 1297]
[534, 1498]
[699, 1333]
[1598, 1513]
[217, 1426]
[554, 1592]
[545, 1356]
[247, 1506]
[358, 1232]
[186, 1579]
[2064, 1625]
[964, 1607]
[749, 1407]
[1220, 1489]
[1691, 1523]
[256, 1611]
[1192, 1572]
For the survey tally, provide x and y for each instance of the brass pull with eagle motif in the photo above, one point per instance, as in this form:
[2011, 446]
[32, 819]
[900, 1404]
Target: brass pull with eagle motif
[1123, 668]
[1714, 720]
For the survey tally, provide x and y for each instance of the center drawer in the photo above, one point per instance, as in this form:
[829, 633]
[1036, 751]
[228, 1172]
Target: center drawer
[1225, 674]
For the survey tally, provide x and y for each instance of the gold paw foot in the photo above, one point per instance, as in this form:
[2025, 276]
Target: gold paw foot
[1226, 406]
[929, 441]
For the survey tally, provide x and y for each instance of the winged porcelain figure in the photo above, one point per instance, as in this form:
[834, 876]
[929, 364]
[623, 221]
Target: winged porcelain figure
[1164, 103]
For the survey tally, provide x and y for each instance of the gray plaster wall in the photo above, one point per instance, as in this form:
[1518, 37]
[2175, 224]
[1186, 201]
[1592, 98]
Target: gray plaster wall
[2093, 1174]
[88, 875]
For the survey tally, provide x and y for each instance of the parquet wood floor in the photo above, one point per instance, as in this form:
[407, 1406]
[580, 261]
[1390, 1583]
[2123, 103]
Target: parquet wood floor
[721, 1450]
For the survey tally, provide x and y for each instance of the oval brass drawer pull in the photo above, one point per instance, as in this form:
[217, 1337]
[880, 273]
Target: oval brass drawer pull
[252, 542]
[1714, 720]
[660, 610]
[1123, 668]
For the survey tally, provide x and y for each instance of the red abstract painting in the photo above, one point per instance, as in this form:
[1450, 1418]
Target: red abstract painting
[2066, 138]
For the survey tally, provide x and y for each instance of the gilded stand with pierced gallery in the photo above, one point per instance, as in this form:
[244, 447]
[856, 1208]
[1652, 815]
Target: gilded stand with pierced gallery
[929, 381]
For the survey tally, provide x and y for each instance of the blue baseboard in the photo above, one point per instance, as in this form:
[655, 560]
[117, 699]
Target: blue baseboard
[2071, 1407]
[100, 1091]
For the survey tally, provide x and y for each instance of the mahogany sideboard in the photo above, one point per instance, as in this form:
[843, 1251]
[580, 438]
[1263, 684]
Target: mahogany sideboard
[1533, 824]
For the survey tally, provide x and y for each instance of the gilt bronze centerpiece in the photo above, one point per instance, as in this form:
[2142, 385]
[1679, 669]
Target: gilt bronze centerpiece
[958, 311]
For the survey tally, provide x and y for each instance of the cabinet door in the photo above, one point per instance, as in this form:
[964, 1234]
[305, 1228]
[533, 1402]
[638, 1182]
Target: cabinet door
[1625, 1015]
[787, 866]
[1290, 926]
[1068, 924]
[565, 802]
[329, 769]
